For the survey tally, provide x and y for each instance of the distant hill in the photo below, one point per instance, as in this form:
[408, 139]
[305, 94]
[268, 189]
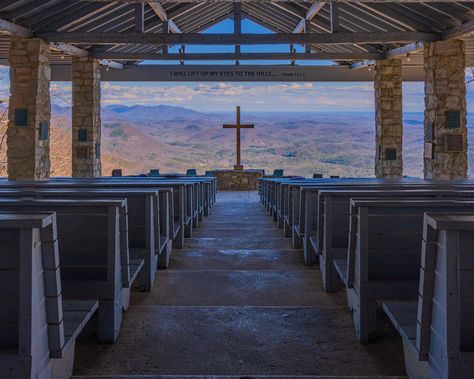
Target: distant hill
[145, 113]
[173, 139]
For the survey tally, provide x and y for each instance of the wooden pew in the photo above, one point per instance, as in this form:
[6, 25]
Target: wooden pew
[300, 191]
[384, 253]
[207, 190]
[288, 203]
[90, 251]
[148, 224]
[199, 197]
[438, 328]
[312, 205]
[333, 222]
[181, 224]
[132, 260]
[38, 328]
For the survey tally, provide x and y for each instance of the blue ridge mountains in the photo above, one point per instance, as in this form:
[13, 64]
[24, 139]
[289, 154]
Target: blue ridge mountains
[138, 138]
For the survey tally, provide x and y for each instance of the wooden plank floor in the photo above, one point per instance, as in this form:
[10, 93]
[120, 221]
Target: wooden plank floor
[239, 302]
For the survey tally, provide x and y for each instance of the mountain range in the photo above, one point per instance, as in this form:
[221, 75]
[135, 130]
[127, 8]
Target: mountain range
[173, 139]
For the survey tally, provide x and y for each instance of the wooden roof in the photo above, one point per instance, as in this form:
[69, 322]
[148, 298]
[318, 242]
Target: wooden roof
[348, 32]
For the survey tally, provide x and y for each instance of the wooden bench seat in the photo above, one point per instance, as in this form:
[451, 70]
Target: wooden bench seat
[403, 316]
[76, 315]
[438, 329]
[38, 328]
[385, 252]
[90, 251]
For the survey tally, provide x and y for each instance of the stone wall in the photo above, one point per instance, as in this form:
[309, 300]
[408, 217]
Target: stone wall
[445, 153]
[29, 110]
[237, 180]
[86, 122]
[388, 118]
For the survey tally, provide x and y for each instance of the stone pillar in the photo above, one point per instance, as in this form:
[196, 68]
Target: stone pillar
[388, 118]
[445, 149]
[29, 110]
[86, 124]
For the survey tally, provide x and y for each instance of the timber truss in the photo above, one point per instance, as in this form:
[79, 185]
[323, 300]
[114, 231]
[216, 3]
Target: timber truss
[124, 33]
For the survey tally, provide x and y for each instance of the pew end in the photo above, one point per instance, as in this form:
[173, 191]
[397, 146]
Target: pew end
[38, 328]
[437, 329]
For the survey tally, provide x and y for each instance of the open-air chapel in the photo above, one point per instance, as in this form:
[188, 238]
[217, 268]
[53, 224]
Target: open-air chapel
[246, 273]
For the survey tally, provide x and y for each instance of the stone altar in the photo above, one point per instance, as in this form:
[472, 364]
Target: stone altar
[236, 180]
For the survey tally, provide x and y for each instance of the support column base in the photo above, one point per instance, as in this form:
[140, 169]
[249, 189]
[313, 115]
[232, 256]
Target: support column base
[238, 167]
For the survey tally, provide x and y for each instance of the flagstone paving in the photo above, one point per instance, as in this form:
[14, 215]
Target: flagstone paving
[238, 301]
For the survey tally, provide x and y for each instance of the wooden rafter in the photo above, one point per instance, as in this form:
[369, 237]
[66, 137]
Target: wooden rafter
[161, 13]
[310, 14]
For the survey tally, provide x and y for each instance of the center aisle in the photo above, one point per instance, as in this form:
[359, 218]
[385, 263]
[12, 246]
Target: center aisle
[238, 300]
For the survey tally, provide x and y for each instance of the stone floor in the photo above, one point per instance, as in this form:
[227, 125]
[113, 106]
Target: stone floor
[238, 301]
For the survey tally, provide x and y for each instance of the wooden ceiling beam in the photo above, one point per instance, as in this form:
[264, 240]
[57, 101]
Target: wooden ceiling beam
[17, 31]
[236, 56]
[69, 49]
[459, 31]
[404, 50]
[14, 30]
[242, 39]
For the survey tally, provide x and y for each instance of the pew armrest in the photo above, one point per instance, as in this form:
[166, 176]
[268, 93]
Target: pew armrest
[176, 230]
[296, 228]
[163, 242]
[341, 268]
[313, 240]
[136, 266]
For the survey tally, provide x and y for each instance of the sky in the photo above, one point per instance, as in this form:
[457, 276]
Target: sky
[253, 97]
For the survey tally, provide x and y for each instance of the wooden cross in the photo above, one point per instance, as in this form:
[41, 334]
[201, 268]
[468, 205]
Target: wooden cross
[238, 126]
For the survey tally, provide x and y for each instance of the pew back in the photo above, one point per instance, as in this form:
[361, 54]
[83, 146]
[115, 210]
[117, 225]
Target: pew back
[36, 326]
[90, 252]
[437, 330]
